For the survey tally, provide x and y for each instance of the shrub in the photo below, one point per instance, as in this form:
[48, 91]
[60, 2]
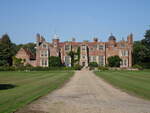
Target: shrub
[93, 64]
[77, 67]
[54, 61]
[137, 66]
[103, 68]
[114, 61]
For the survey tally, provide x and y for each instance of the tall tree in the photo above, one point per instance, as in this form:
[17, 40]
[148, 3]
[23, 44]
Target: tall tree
[6, 50]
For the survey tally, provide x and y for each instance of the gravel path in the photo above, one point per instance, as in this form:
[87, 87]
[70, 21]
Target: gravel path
[86, 93]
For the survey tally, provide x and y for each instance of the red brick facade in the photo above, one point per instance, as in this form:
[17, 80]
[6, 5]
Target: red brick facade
[95, 51]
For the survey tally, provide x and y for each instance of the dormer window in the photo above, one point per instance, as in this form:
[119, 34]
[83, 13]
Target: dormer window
[44, 46]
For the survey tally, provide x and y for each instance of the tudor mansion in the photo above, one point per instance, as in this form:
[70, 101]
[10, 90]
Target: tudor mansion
[95, 51]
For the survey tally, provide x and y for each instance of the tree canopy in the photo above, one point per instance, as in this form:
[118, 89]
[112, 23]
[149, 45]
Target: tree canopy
[114, 61]
[7, 50]
[141, 51]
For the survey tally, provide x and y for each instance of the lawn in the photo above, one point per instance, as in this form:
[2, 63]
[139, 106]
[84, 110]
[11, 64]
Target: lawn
[28, 86]
[133, 82]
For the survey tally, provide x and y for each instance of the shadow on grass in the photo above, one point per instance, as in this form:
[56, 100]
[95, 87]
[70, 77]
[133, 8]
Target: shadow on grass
[6, 86]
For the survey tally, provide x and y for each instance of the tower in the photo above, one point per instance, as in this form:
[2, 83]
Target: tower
[55, 41]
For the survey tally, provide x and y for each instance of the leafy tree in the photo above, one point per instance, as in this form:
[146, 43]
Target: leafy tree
[72, 54]
[54, 61]
[139, 52]
[29, 46]
[7, 50]
[114, 61]
[18, 62]
[146, 40]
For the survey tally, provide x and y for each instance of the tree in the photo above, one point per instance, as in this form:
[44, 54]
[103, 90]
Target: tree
[139, 52]
[146, 40]
[54, 61]
[114, 61]
[29, 46]
[18, 62]
[72, 54]
[7, 50]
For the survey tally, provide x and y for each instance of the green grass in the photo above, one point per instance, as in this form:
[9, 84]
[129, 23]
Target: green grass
[133, 82]
[29, 86]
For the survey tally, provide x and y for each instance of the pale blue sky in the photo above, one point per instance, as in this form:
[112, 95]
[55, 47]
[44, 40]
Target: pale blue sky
[82, 19]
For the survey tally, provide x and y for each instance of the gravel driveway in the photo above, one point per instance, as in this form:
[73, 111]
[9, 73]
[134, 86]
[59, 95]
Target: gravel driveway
[86, 93]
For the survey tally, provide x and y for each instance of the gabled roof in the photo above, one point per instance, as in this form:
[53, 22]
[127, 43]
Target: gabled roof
[31, 55]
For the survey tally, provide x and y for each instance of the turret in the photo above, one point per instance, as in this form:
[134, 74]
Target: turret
[39, 39]
[130, 38]
[55, 40]
[95, 39]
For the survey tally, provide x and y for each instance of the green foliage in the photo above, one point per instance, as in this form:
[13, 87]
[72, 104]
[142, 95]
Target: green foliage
[54, 61]
[103, 68]
[77, 67]
[28, 46]
[146, 40]
[139, 52]
[7, 50]
[93, 64]
[114, 61]
[72, 54]
[18, 62]
[137, 66]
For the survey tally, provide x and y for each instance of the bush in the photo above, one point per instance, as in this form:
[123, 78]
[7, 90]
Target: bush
[103, 68]
[137, 66]
[54, 61]
[77, 67]
[114, 61]
[93, 64]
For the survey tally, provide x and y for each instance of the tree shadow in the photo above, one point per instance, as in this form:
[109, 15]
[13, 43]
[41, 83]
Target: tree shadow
[6, 86]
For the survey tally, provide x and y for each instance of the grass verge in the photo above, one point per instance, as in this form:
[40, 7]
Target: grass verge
[29, 86]
[133, 82]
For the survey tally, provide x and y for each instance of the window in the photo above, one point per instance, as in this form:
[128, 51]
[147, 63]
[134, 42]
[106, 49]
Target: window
[122, 45]
[44, 46]
[44, 62]
[83, 56]
[124, 53]
[101, 47]
[95, 46]
[125, 62]
[94, 58]
[67, 47]
[67, 60]
[83, 47]
[90, 58]
[44, 53]
[91, 49]
[101, 60]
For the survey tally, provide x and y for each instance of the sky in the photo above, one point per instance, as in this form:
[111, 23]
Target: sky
[82, 19]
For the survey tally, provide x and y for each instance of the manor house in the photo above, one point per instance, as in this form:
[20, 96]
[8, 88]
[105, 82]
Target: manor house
[95, 51]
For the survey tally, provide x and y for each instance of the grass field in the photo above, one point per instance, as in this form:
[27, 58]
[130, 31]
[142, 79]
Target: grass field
[133, 82]
[29, 86]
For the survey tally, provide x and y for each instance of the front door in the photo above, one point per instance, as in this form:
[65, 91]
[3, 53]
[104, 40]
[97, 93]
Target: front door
[83, 64]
